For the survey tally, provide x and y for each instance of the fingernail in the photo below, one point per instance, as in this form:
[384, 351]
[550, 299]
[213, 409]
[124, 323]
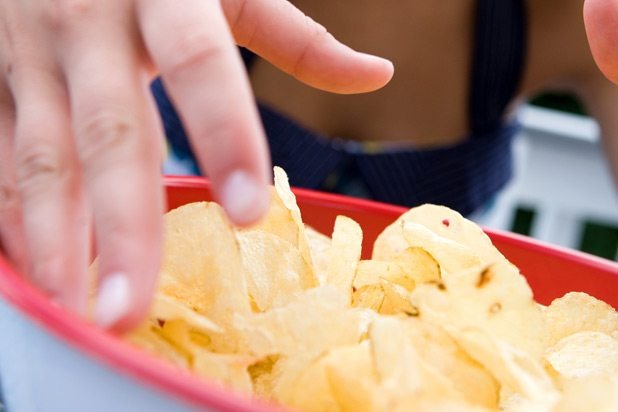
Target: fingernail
[113, 301]
[244, 198]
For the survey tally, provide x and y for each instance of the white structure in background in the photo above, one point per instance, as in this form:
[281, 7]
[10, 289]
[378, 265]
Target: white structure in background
[561, 173]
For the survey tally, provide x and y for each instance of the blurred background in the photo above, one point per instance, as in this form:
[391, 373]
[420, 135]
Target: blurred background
[580, 209]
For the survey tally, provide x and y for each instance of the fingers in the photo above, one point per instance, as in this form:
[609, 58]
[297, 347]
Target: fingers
[282, 34]
[601, 20]
[12, 241]
[204, 76]
[56, 224]
[119, 146]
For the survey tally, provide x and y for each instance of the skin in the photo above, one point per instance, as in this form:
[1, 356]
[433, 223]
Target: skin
[425, 105]
[80, 140]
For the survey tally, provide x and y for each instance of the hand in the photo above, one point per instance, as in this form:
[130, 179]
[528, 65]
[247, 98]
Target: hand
[80, 140]
[601, 21]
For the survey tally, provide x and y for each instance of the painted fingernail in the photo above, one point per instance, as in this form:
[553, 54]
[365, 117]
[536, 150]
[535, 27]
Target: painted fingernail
[244, 198]
[114, 300]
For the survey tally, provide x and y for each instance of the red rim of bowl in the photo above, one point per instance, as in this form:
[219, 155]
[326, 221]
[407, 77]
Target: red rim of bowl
[112, 351]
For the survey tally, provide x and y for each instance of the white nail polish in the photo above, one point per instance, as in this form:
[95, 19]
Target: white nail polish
[244, 199]
[114, 300]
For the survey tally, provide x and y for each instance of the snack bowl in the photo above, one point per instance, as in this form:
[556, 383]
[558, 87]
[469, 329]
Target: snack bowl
[52, 360]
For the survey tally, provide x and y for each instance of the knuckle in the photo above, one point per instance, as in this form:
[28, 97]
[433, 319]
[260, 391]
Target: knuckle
[317, 35]
[105, 132]
[38, 166]
[60, 14]
[191, 50]
[9, 196]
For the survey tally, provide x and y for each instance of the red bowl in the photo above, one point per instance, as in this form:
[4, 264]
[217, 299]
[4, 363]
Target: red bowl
[104, 368]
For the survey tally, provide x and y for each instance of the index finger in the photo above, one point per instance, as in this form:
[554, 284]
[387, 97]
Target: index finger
[191, 44]
[292, 41]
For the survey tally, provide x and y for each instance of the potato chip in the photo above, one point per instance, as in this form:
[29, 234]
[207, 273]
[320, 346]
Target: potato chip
[278, 220]
[165, 308]
[147, 338]
[396, 300]
[598, 394]
[230, 370]
[579, 312]
[276, 272]
[419, 265]
[373, 271]
[369, 296]
[451, 256]
[402, 373]
[494, 298]
[584, 354]
[282, 186]
[442, 222]
[319, 245]
[514, 368]
[343, 379]
[344, 255]
[203, 267]
[283, 330]
[438, 349]
[437, 320]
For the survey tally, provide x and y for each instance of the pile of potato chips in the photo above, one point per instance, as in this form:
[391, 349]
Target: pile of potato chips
[437, 320]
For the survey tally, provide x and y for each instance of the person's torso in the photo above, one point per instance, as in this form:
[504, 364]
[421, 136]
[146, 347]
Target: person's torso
[431, 44]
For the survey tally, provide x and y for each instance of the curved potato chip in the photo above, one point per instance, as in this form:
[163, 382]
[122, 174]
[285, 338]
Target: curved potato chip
[316, 321]
[599, 394]
[402, 373]
[512, 367]
[202, 264]
[438, 349]
[276, 272]
[450, 255]
[419, 265]
[282, 186]
[343, 379]
[344, 255]
[369, 297]
[443, 222]
[319, 245]
[584, 354]
[167, 308]
[372, 271]
[496, 299]
[579, 312]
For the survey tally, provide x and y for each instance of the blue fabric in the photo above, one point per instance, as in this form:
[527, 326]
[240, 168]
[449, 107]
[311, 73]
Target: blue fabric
[463, 177]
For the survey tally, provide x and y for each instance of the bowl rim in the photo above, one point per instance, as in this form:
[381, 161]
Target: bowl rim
[113, 352]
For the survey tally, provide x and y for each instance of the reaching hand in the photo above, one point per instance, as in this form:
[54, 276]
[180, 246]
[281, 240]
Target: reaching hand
[80, 139]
